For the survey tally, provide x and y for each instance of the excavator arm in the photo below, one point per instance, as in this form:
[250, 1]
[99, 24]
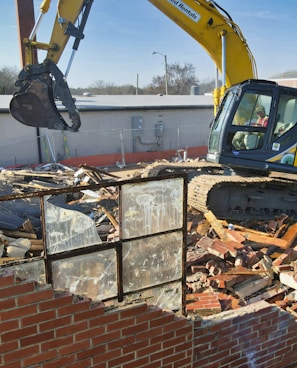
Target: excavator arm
[212, 27]
[40, 85]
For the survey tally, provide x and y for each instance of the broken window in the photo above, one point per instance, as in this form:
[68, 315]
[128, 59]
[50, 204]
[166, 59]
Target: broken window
[113, 242]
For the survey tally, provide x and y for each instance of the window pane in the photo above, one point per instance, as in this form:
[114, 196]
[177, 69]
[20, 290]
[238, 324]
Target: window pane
[149, 262]
[152, 207]
[67, 229]
[93, 275]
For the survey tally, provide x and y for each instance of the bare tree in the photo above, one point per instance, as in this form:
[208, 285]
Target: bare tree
[180, 79]
[8, 77]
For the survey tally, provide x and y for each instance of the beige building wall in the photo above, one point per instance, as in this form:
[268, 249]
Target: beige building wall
[106, 131]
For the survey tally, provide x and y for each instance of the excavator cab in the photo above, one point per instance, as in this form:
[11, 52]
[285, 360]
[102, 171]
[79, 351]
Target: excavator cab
[239, 142]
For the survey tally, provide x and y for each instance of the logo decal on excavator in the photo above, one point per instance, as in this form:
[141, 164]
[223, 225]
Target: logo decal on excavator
[192, 14]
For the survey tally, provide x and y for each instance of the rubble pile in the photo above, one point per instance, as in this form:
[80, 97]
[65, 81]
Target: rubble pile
[233, 265]
[228, 265]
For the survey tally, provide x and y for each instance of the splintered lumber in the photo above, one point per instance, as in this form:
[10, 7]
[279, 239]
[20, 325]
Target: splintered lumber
[265, 240]
[9, 259]
[245, 229]
[19, 234]
[290, 235]
[110, 217]
[218, 227]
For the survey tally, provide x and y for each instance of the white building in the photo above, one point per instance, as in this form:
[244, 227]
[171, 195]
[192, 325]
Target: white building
[114, 126]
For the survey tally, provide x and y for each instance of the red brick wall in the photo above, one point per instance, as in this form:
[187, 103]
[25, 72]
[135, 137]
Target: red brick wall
[46, 329]
[256, 336]
[41, 328]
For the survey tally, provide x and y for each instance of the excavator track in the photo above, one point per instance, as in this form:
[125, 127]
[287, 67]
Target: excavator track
[233, 197]
[239, 198]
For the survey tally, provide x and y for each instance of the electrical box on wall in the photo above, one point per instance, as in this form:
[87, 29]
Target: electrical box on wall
[159, 129]
[137, 126]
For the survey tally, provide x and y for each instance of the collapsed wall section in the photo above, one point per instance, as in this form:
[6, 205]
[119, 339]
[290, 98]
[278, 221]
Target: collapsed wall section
[40, 327]
[43, 328]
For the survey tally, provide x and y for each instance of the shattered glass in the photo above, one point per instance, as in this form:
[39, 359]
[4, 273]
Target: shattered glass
[167, 297]
[68, 229]
[31, 271]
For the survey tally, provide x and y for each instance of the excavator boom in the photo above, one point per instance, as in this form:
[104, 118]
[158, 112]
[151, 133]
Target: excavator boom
[209, 27]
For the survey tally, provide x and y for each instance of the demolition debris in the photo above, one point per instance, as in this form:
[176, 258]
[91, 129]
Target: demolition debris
[228, 265]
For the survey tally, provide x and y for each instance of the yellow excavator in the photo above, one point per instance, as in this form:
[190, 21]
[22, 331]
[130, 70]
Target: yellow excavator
[238, 145]
[42, 84]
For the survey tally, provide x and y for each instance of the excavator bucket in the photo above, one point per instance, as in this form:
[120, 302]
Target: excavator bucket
[34, 105]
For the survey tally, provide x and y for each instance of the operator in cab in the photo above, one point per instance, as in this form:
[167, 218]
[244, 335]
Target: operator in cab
[262, 120]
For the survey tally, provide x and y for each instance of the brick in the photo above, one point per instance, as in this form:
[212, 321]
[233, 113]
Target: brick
[122, 359]
[74, 347]
[8, 346]
[205, 304]
[86, 363]
[150, 333]
[106, 356]
[35, 297]
[183, 363]
[15, 290]
[73, 308]
[18, 354]
[158, 355]
[39, 358]
[164, 319]
[83, 332]
[149, 316]
[102, 339]
[18, 312]
[13, 364]
[178, 344]
[132, 330]
[55, 323]
[38, 318]
[122, 323]
[56, 343]
[7, 304]
[94, 316]
[18, 334]
[135, 346]
[91, 352]
[65, 361]
[132, 311]
[37, 339]
[136, 363]
[125, 343]
[6, 279]
[9, 325]
[71, 329]
[148, 350]
[56, 302]
[173, 358]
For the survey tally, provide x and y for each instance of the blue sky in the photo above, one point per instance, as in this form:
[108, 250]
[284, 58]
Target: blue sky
[121, 35]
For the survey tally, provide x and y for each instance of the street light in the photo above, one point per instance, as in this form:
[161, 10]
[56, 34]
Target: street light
[166, 73]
